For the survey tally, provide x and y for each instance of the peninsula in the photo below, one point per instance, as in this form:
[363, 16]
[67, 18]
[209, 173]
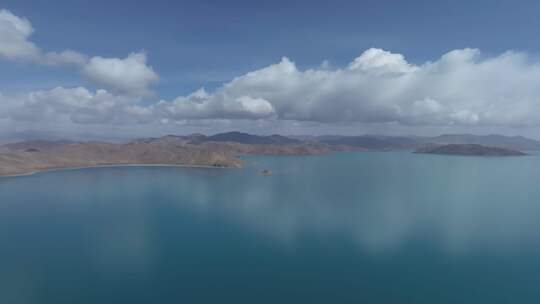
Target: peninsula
[194, 150]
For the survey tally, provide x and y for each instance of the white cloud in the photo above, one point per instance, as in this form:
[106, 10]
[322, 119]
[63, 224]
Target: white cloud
[64, 57]
[130, 76]
[381, 61]
[14, 34]
[201, 105]
[15, 44]
[78, 105]
[460, 88]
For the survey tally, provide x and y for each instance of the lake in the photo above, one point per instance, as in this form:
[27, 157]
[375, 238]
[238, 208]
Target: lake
[385, 227]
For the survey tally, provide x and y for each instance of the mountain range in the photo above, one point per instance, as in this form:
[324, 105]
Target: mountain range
[219, 150]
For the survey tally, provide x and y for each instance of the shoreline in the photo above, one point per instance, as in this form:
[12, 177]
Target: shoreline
[116, 165]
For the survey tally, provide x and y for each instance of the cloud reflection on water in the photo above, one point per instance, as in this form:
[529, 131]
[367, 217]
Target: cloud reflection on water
[382, 201]
[113, 225]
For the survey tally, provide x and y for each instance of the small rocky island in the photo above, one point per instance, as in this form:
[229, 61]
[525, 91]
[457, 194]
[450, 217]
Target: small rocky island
[266, 172]
[469, 150]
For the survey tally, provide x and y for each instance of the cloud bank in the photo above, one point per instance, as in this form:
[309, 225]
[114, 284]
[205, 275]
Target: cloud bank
[461, 88]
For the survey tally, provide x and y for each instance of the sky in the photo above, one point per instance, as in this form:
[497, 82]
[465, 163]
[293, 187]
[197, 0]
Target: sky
[122, 69]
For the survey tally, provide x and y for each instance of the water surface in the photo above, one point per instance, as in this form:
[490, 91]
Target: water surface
[391, 227]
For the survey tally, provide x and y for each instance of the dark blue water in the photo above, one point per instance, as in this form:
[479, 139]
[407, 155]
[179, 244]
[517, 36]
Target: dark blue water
[390, 227]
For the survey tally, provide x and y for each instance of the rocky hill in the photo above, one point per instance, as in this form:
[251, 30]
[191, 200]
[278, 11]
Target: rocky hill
[193, 150]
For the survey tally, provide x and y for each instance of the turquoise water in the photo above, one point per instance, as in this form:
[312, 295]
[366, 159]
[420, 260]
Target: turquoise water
[391, 227]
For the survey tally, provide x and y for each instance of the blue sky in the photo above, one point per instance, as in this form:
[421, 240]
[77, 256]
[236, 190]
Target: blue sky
[194, 44]
[204, 43]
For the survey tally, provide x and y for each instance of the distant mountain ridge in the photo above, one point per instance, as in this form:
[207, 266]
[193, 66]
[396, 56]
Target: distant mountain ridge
[246, 138]
[469, 150]
[233, 137]
[381, 142]
[372, 142]
[223, 149]
[509, 142]
[37, 144]
[339, 142]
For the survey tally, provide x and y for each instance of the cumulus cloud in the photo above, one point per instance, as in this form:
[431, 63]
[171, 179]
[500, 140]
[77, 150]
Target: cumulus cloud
[130, 76]
[64, 57]
[78, 105]
[380, 61]
[14, 34]
[460, 88]
[201, 105]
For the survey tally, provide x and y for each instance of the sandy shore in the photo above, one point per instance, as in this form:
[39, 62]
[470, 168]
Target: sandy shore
[112, 166]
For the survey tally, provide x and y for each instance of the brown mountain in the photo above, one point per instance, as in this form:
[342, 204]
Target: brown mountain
[194, 150]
